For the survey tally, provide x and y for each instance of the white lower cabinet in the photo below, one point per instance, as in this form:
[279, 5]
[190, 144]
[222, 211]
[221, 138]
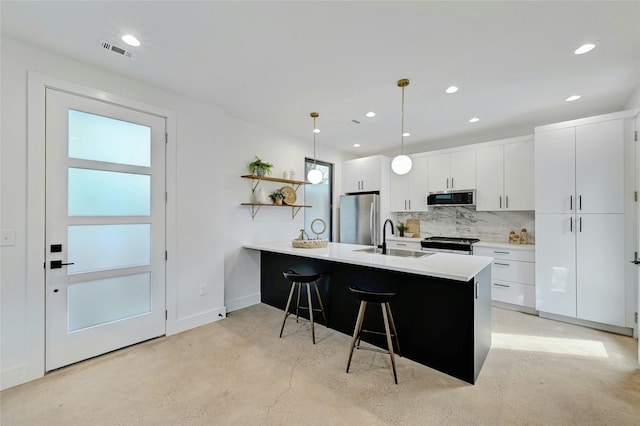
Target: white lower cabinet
[580, 266]
[512, 273]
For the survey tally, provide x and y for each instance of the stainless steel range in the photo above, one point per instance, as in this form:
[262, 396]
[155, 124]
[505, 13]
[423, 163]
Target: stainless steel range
[448, 245]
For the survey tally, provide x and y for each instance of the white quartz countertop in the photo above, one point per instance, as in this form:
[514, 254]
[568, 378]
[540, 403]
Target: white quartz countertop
[441, 265]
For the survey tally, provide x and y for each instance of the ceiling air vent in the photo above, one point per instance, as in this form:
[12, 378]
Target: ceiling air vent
[113, 48]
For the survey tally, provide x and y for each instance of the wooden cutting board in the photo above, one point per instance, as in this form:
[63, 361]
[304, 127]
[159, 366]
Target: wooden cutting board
[413, 225]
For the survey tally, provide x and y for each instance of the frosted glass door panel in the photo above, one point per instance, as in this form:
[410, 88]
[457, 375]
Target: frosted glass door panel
[120, 298]
[98, 138]
[105, 193]
[100, 247]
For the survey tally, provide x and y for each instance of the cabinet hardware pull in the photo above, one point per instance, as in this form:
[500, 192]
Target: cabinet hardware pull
[570, 203]
[447, 183]
[501, 201]
[506, 201]
[580, 224]
[502, 252]
[477, 289]
[452, 183]
[580, 202]
[571, 224]
[501, 285]
[501, 264]
[405, 204]
[409, 204]
[401, 244]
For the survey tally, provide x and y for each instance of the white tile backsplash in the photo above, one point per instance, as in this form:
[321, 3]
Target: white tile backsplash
[467, 222]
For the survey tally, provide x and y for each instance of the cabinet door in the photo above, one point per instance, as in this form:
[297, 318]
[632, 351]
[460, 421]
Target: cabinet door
[417, 194]
[399, 194]
[490, 178]
[600, 167]
[518, 176]
[600, 266]
[439, 171]
[463, 169]
[556, 264]
[555, 178]
[351, 176]
[371, 174]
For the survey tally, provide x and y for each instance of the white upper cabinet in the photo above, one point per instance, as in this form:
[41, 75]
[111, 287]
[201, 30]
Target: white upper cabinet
[362, 174]
[453, 170]
[409, 192]
[504, 179]
[600, 167]
[580, 169]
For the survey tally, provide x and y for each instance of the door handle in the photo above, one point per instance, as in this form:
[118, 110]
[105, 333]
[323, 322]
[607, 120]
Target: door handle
[57, 264]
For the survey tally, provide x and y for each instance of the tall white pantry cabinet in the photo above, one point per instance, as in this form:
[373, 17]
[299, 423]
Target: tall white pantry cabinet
[584, 194]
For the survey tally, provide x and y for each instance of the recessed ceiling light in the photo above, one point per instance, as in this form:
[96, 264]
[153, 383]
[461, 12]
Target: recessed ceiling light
[316, 130]
[370, 114]
[451, 89]
[584, 48]
[131, 40]
[474, 120]
[573, 98]
[405, 134]
[356, 145]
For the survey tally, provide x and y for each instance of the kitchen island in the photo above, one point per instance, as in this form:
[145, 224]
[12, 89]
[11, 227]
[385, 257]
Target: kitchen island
[442, 312]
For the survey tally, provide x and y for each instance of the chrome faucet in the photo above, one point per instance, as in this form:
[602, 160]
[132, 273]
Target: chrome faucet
[384, 235]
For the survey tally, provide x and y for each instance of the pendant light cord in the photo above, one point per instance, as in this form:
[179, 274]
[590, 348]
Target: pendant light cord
[402, 126]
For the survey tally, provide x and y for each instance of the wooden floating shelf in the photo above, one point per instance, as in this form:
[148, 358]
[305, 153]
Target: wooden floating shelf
[297, 183]
[295, 208]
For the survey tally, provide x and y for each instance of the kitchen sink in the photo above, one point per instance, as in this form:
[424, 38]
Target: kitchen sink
[395, 252]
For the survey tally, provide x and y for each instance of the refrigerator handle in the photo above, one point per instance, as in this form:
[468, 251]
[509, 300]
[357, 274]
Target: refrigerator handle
[372, 223]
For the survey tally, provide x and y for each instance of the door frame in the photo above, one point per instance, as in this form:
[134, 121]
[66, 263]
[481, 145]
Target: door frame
[37, 83]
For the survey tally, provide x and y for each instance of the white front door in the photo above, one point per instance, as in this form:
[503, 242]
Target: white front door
[105, 227]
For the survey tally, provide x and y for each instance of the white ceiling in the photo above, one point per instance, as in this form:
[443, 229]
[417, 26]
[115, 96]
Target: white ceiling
[274, 62]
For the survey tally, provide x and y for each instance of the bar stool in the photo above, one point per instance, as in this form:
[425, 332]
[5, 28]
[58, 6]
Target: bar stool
[297, 278]
[383, 298]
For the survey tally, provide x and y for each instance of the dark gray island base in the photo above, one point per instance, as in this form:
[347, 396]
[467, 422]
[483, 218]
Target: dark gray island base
[444, 324]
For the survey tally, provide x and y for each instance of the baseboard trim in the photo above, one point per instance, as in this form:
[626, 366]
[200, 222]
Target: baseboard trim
[591, 324]
[242, 302]
[18, 375]
[193, 321]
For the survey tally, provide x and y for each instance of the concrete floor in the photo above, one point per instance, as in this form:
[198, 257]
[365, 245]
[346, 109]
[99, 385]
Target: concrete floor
[238, 372]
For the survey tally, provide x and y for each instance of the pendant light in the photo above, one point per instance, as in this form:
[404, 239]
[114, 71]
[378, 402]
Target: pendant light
[401, 164]
[314, 176]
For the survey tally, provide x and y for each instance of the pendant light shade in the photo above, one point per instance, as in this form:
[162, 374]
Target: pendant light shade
[401, 164]
[314, 176]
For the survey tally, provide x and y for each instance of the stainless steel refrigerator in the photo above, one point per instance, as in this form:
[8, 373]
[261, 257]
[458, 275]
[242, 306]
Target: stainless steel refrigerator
[360, 219]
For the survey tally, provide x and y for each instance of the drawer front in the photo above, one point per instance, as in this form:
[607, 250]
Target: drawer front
[503, 253]
[407, 245]
[514, 293]
[512, 270]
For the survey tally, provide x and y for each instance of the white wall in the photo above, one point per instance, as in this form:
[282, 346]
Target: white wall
[206, 225]
[634, 100]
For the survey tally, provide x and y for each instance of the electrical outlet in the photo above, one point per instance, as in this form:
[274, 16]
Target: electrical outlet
[203, 289]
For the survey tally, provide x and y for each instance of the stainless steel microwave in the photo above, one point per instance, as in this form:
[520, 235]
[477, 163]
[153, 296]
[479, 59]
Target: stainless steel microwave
[452, 198]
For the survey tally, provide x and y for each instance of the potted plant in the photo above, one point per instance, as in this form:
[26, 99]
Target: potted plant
[401, 228]
[259, 167]
[277, 196]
